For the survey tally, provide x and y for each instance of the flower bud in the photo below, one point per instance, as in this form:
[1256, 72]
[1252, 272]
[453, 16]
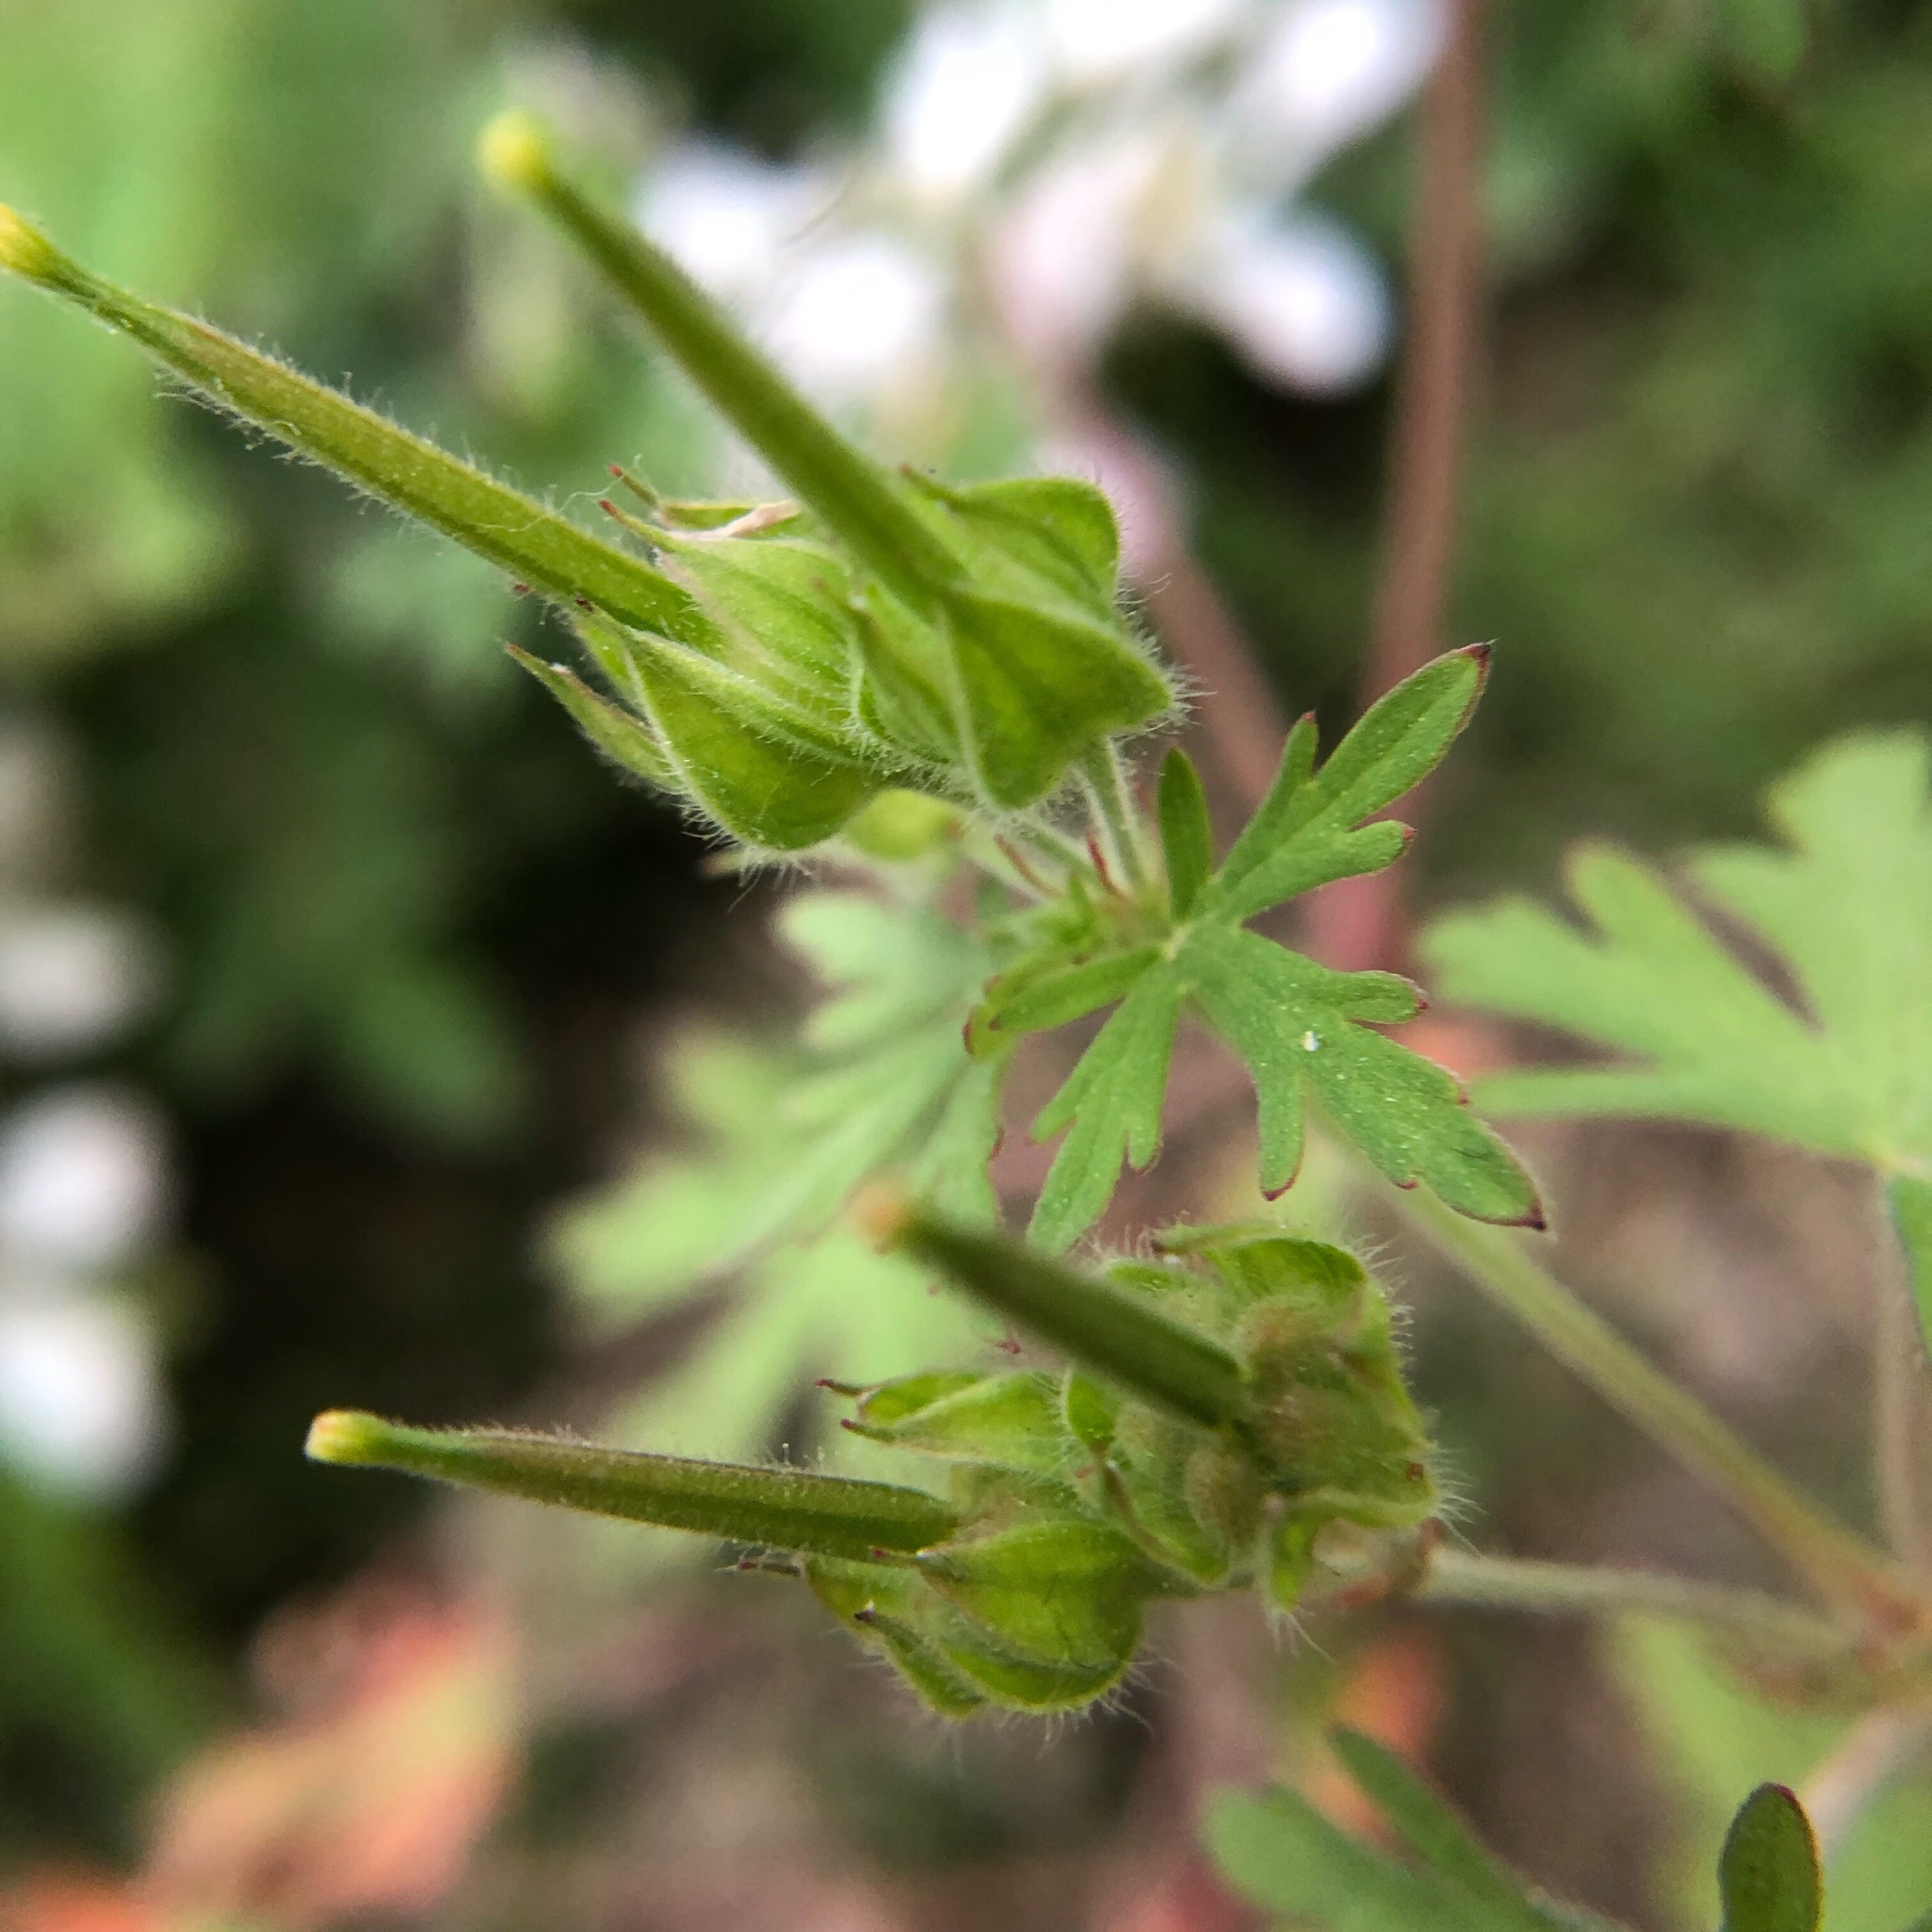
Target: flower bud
[1067, 1593]
[767, 773]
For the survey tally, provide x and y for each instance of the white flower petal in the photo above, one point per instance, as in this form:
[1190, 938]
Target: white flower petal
[857, 313]
[726, 216]
[82, 1176]
[964, 85]
[1303, 300]
[1104, 40]
[71, 977]
[80, 1401]
[1328, 71]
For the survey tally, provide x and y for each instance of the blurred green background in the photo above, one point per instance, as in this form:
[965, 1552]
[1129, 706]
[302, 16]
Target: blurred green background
[406, 940]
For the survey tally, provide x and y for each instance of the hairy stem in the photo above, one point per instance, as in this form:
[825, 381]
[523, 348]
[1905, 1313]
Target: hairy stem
[1840, 1567]
[778, 1508]
[1119, 821]
[1899, 1438]
[1461, 1577]
[1358, 922]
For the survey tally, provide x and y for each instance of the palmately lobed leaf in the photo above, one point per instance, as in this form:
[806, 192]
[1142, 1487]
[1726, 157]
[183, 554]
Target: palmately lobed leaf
[1305, 1031]
[1845, 908]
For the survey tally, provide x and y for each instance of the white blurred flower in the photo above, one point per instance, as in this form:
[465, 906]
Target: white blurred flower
[82, 1177]
[728, 215]
[1302, 300]
[856, 316]
[1064, 256]
[964, 84]
[81, 1403]
[71, 977]
[1103, 40]
[1328, 71]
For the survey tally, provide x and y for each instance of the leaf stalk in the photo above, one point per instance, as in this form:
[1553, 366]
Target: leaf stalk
[1840, 1567]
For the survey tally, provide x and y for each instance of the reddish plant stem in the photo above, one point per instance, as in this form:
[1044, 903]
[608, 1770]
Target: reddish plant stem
[1358, 922]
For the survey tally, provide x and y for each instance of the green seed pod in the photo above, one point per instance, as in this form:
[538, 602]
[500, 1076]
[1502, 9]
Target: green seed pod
[771, 775]
[534, 543]
[1024, 665]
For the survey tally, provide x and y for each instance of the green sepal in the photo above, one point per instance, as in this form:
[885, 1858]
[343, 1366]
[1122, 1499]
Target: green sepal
[1068, 1593]
[1187, 837]
[875, 1602]
[1332, 1416]
[783, 610]
[1041, 539]
[1034, 689]
[624, 738]
[782, 1509]
[1014, 1419]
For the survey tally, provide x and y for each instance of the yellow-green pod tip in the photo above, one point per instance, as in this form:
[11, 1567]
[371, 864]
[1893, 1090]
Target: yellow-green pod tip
[348, 1436]
[24, 250]
[515, 152]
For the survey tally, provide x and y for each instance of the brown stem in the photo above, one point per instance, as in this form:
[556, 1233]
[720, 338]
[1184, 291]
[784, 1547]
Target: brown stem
[1358, 922]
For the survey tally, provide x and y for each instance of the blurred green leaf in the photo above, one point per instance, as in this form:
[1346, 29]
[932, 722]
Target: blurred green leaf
[1434, 1832]
[1279, 1850]
[785, 1138]
[1846, 909]
[1768, 1871]
[1717, 1738]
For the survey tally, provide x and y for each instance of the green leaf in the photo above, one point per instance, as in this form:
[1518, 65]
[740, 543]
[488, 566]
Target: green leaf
[1187, 839]
[1302, 1028]
[1111, 1107]
[1310, 829]
[1766, 38]
[1435, 1833]
[1278, 1851]
[781, 1141]
[1845, 908]
[1715, 1737]
[1768, 1874]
